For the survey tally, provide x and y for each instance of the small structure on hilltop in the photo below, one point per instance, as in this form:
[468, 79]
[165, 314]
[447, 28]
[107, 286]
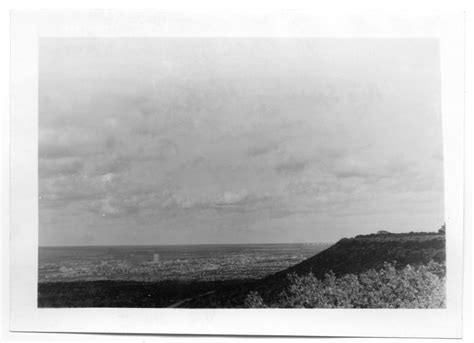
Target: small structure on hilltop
[383, 232]
[156, 258]
[442, 230]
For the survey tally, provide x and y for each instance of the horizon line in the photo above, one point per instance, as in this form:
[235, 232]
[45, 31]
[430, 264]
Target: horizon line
[177, 244]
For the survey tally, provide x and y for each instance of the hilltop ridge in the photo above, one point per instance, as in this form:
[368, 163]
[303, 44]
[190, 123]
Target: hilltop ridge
[363, 252]
[349, 255]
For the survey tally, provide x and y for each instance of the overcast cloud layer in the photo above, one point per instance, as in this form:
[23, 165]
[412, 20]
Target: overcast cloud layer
[225, 140]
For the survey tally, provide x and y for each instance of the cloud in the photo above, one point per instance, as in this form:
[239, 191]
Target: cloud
[228, 200]
[114, 206]
[157, 149]
[371, 169]
[293, 166]
[262, 149]
[198, 161]
[106, 164]
[109, 177]
[303, 187]
[63, 190]
[178, 200]
[59, 167]
[353, 167]
[67, 142]
[233, 198]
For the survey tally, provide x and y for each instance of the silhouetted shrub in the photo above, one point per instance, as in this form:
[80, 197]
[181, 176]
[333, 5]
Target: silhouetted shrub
[389, 287]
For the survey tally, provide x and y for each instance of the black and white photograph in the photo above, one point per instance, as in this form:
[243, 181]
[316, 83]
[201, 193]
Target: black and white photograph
[240, 173]
[248, 174]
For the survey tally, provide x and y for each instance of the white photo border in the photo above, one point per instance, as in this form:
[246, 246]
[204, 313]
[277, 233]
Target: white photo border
[28, 27]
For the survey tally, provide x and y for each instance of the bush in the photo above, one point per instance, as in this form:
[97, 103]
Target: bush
[409, 287]
[254, 300]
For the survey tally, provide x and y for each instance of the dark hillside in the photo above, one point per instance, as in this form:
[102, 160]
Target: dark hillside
[356, 255]
[364, 252]
[349, 255]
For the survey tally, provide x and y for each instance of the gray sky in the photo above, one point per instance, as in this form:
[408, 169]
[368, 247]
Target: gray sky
[237, 140]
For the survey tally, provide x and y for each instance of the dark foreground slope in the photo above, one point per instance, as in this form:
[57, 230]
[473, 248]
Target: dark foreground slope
[129, 294]
[354, 256]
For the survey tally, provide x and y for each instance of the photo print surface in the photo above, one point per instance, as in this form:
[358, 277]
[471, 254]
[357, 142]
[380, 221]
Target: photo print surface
[240, 173]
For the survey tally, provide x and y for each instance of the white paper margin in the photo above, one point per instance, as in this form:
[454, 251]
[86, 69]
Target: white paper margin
[24, 314]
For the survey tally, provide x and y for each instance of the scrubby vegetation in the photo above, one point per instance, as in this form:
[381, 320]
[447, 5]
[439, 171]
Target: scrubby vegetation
[364, 252]
[364, 257]
[409, 287]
